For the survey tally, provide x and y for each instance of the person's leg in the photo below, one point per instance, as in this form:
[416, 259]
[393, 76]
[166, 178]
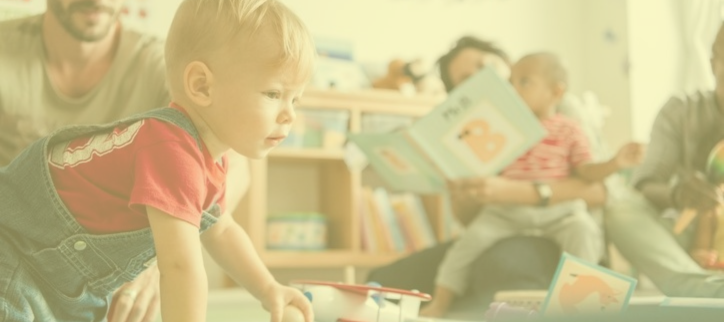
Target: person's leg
[515, 263]
[647, 242]
[488, 228]
[577, 233]
[414, 272]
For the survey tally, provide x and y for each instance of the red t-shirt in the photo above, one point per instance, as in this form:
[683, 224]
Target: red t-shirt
[565, 147]
[107, 180]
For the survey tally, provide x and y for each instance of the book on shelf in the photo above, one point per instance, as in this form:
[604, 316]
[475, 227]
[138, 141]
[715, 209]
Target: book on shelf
[413, 221]
[479, 129]
[393, 222]
[379, 237]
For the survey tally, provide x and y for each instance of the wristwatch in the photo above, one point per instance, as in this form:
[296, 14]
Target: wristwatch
[544, 192]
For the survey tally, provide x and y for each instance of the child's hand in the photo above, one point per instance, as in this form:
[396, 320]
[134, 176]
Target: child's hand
[278, 297]
[630, 155]
[432, 311]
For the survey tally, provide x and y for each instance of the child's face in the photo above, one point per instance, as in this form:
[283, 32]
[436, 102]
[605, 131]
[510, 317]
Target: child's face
[253, 98]
[538, 91]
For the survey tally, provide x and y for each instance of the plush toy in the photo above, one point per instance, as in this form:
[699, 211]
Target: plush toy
[409, 78]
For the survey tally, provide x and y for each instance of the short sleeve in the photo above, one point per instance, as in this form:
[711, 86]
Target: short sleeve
[170, 176]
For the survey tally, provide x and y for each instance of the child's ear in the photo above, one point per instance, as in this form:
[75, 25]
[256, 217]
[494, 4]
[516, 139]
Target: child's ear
[198, 81]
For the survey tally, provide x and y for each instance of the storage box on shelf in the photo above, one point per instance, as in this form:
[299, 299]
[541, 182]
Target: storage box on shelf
[316, 179]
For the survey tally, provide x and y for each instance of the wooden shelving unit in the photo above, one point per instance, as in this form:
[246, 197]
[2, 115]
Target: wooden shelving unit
[317, 179]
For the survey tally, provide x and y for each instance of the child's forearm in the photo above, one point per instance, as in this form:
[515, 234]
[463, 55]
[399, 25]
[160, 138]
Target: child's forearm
[232, 249]
[184, 292]
[184, 285]
[595, 172]
[443, 298]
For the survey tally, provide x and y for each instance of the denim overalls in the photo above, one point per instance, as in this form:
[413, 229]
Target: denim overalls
[51, 269]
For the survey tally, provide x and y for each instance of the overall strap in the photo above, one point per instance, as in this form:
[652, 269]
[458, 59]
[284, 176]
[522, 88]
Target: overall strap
[166, 114]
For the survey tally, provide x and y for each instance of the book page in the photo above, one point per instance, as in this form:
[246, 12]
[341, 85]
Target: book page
[399, 163]
[481, 127]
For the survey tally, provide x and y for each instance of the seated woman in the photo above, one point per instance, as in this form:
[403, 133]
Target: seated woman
[513, 263]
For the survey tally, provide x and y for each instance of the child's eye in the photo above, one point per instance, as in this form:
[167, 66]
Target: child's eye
[273, 95]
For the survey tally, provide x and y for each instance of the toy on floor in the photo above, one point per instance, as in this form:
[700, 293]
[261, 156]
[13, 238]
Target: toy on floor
[334, 302]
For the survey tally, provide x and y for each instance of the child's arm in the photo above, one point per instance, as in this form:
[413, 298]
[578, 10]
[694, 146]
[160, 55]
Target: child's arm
[440, 304]
[595, 172]
[628, 156]
[184, 288]
[231, 248]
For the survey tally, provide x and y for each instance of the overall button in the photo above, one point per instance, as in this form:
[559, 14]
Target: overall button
[80, 245]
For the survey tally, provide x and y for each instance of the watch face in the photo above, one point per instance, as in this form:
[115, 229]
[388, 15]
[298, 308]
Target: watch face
[544, 190]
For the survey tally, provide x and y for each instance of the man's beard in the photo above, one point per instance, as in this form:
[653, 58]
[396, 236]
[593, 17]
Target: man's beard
[64, 16]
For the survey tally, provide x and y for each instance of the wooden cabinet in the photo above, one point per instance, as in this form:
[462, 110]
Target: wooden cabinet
[318, 179]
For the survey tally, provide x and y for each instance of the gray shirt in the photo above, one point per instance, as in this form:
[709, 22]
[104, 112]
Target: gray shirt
[684, 132]
[135, 82]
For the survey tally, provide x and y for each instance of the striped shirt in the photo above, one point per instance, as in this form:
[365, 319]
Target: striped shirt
[553, 158]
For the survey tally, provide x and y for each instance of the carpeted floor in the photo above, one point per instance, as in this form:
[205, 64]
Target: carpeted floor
[234, 306]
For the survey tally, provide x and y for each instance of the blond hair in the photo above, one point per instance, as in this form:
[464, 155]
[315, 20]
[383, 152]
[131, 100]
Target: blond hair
[551, 66]
[202, 28]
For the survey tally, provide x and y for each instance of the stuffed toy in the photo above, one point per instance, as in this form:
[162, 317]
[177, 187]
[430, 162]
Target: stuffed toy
[408, 78]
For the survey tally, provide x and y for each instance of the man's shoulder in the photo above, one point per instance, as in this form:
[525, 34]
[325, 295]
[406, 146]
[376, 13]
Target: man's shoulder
[695, 102]
[19, 34]
[141, 43]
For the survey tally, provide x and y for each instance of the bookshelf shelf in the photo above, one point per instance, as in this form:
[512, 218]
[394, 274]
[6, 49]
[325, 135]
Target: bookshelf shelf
[327, 259]
[369, 101]
[318, 180]
[307, 154]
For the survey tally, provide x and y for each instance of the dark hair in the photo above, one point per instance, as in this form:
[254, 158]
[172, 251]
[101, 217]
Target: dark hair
[463, 43]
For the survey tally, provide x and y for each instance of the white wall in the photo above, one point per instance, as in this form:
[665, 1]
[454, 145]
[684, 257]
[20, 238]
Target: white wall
[655, 41]
[385, 29]
[670, 51]
[605, 64]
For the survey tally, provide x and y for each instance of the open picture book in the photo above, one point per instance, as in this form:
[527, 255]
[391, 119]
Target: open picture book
[482, 127]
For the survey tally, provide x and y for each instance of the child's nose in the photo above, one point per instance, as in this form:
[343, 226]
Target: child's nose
[288, 114]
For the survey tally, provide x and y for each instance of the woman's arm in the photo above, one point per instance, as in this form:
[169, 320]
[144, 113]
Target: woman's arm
[499, 190]
[184, 286]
